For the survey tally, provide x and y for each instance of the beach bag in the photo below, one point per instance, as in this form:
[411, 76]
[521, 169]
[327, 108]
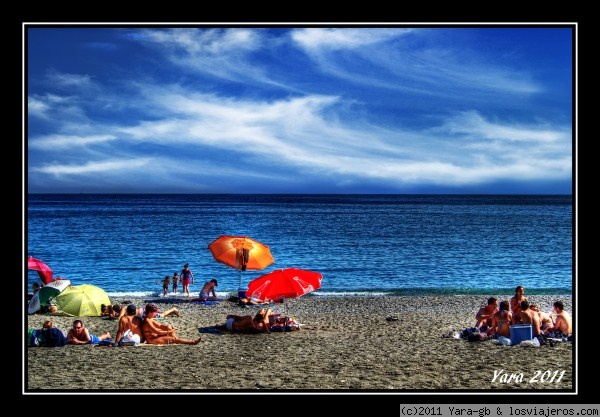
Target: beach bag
[129, 339]
[52, 337]
[33, 337]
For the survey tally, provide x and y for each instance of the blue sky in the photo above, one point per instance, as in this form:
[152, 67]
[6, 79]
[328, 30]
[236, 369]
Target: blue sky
[319, 109]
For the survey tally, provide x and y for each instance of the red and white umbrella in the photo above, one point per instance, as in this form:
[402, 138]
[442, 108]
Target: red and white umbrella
[43, 296]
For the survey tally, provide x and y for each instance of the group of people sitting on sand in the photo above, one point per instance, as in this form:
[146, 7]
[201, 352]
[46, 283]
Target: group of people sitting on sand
[495, 320]
[136, 325]
[139, 325]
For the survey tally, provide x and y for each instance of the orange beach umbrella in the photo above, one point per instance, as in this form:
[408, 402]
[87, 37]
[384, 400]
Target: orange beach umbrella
[241, 253]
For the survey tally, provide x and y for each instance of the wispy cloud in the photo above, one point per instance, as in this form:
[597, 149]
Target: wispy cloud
[392, 106]
[92, 167]
[61, 142]
[316, 39]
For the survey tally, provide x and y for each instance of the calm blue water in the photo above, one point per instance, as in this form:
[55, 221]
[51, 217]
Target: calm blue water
[381, 244]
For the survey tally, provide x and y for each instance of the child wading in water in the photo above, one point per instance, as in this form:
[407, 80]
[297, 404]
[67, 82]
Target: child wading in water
[165, 282]
[175, 282]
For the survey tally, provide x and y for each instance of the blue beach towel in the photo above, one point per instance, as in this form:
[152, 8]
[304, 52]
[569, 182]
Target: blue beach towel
[206, 303]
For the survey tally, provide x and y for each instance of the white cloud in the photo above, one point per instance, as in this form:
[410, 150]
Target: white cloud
[58, 142]
[92, 167]
[59, 79]
[313, 39]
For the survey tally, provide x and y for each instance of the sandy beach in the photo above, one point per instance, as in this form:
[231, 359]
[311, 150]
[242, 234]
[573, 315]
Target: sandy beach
[377, 344]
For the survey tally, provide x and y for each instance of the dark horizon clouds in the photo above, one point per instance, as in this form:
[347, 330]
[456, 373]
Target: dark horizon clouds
[196, 109]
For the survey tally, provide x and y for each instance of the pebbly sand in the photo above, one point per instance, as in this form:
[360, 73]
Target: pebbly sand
[353, 345]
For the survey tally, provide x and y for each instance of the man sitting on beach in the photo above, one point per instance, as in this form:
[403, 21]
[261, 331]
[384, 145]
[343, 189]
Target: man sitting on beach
[562, 323]
[529, 316]
[130, 321]
[485, 314]
[208, 291]
[249, 324]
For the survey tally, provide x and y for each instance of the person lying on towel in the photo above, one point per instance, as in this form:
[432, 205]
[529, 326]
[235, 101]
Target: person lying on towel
[248, 324]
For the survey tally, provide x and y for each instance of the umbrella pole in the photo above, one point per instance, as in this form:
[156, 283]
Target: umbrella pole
[240, 286]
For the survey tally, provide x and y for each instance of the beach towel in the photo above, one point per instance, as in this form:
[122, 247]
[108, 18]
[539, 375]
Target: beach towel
[207, 302]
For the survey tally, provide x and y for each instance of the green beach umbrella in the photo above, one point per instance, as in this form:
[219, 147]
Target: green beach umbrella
[82, 301]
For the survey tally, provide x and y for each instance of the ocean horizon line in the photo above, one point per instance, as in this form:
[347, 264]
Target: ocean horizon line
[305, 194]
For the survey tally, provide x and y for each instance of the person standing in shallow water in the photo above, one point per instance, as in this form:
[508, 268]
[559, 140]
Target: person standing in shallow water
[166, 283]
[187, 276]
[175, 282]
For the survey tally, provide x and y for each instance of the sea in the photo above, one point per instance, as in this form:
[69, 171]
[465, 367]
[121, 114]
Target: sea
[363, 245]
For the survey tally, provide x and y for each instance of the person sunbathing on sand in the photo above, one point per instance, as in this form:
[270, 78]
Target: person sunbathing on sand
[159, 314]
[257, 324]
[253, 301]
[160, 333]
[113, 311]
[79, 335]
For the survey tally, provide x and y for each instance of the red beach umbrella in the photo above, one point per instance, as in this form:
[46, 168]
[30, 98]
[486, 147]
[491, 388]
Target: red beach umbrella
[42, 269]
[284, 283]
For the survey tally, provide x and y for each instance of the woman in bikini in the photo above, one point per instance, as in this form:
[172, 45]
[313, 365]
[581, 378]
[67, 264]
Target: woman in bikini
[161, 333]
[502, 320]
[515, 304]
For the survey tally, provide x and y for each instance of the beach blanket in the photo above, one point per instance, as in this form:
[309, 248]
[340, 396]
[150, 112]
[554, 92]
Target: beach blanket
[207, 302]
